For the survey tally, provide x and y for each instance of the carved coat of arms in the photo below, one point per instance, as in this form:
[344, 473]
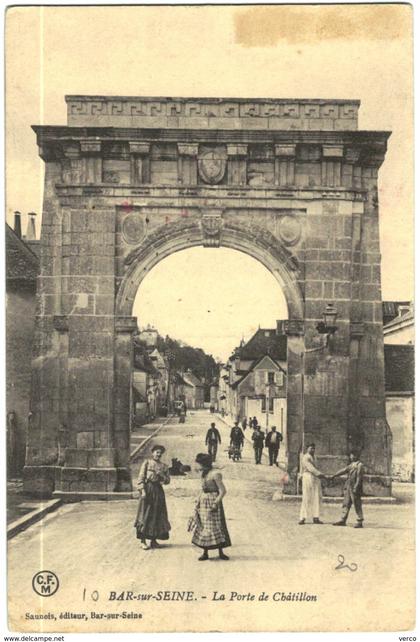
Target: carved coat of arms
[212, 166]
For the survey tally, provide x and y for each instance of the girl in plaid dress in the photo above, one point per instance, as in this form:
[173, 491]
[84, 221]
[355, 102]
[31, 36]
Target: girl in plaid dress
[210, 530]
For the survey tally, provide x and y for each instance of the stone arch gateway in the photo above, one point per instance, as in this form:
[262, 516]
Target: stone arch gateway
[131, 180]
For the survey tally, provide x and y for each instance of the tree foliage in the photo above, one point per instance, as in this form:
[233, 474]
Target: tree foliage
[184, 357]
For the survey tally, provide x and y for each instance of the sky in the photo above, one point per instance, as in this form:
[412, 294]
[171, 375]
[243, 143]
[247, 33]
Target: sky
[220, 308]
[358, 51]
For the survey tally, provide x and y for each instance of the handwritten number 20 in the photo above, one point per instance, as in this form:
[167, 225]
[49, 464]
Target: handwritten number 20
[94, 595]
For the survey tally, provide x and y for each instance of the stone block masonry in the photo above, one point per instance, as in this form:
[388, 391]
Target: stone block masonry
[131, 180]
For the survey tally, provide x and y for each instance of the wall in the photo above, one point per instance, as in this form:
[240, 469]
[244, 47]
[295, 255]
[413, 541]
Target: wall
[20, 320]
[402, 336]
[400, 416]
[253, 409]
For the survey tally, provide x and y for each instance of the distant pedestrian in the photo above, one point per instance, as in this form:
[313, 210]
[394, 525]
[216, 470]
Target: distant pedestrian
[237, 438]
[254, 422]
[244, 424]
[152, 516]
[209, 523]
[213, 439]
[258, 438]
[353, 490]
[250, 424]
[272, 442]
[311, 487]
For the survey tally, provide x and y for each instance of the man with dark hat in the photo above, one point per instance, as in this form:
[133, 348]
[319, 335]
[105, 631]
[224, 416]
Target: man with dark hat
[237, 439]
[272, 442]
[258, 441]
[213, 439]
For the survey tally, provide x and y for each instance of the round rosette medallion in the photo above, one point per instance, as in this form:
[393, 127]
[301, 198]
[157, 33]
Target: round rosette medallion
[133, 228]
[289, 229]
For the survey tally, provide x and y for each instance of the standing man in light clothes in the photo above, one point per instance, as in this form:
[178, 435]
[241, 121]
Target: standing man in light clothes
[311, 487]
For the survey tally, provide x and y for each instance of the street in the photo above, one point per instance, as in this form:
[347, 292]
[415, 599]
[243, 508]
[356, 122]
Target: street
[92, 548]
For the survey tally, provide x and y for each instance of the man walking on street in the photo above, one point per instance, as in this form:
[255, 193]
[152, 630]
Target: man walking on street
[237, 438]
[272, 442]
[258, 441]
[311, 487]
[213, 439]
[353, 490]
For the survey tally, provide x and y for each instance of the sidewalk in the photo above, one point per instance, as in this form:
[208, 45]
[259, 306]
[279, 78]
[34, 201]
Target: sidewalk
[23, 510]
[141, 435]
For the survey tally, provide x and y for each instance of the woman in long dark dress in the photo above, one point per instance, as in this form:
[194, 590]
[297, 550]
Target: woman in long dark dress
[152, 516]
[211, 530]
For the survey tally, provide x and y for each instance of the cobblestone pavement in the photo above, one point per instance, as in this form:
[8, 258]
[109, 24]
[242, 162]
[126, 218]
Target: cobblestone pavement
[91, 546]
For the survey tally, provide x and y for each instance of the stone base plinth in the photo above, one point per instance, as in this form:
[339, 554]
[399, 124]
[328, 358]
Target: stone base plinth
[39, 481]
[44, 482]
[373, 486]
[103, 480]
[80, 496]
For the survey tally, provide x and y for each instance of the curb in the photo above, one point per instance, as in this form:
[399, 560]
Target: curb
[138, 448]
[338, 500]
[325, 499]
[34, 516]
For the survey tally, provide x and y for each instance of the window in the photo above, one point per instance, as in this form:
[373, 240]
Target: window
[271, 377]
[263, 404]
[271, 404]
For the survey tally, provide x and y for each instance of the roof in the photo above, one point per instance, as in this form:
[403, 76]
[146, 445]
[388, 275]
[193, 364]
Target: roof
[390, 309]
[190, 379]
[404, 318]
[22, 264]
[399, 368]
[143, 362]
[265, 341]
[236, 383]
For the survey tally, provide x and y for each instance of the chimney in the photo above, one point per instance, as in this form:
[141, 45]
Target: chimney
[30, 230]
[17, 225]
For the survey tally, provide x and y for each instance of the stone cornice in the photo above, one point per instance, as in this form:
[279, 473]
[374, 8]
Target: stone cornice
[367, 146]
[47, 133]
[71, 98]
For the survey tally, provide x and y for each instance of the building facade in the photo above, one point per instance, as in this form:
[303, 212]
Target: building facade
[22, 269]
[399, 339]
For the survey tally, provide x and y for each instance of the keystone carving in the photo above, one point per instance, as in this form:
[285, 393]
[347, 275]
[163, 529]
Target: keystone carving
[211, 225]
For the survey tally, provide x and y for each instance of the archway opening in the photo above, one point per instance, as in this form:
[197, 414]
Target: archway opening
[210, 340]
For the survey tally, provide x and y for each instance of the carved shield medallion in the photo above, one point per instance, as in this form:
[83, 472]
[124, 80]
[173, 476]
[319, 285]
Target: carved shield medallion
[212, 166]
[133, 228]
[289, 229]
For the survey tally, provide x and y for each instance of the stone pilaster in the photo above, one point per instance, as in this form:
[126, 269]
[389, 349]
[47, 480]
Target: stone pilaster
[42, 451]
[284, 165]
[237, 164]
[331, 165]
[140, 162]
[124, 329]
[187, 163]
